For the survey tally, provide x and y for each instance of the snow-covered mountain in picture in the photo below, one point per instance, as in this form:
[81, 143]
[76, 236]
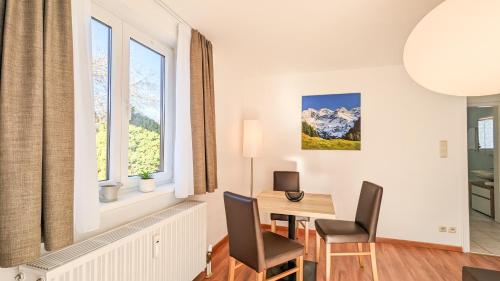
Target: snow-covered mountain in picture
[331, 124]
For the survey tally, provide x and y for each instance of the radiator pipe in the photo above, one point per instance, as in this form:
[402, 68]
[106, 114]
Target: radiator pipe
[208, 270]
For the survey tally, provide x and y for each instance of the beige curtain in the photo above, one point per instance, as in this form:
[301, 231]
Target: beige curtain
[203, 115]
[36, 128]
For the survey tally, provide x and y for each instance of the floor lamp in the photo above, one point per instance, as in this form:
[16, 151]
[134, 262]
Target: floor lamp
[252, 142]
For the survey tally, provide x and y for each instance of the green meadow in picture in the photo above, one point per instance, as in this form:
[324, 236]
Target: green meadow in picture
[331, 122]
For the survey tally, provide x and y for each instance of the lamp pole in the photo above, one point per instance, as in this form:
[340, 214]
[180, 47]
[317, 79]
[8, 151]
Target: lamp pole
[252, 140]
[251, 177]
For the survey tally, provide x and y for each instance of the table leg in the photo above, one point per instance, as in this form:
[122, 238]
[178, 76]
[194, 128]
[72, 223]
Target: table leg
[291, 236]
[291, 227]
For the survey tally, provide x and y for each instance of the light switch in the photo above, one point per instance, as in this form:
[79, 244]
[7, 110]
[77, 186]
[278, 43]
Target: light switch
[443, 149]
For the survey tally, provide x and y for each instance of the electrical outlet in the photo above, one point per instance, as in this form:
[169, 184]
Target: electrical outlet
[442, 229]
[452, 229]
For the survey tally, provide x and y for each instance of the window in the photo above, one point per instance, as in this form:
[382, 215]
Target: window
[134, 110]
[485, 133]
[101, 48]
[145, 129]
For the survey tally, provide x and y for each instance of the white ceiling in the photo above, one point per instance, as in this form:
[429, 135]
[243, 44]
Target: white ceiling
[293, 35]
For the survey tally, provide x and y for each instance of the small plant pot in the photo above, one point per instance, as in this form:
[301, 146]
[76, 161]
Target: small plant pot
[147, 185]
[109, 193]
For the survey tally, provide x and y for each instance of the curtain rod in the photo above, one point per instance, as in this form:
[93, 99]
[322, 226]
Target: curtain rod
[165, 6]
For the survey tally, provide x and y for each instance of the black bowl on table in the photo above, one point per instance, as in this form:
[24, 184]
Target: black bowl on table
[294, 196]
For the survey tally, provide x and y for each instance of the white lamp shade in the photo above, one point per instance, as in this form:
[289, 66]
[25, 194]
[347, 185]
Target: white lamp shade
[455, 49]
[252, 138]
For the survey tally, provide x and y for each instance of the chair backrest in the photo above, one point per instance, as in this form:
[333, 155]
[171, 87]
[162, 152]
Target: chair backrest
[243, 226]
[369, 208]
[286, 181]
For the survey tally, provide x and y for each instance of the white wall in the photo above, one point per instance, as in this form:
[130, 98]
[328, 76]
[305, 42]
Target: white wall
[401, 129]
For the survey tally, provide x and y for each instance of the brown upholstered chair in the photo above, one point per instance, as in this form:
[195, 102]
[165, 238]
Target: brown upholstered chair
[362, 230]
[289, 181]
[256, 249]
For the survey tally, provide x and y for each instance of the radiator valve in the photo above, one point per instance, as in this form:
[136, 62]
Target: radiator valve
[19, 277]
[208, 271]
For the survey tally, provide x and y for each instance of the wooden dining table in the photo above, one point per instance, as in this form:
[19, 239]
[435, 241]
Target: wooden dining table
[313, 205]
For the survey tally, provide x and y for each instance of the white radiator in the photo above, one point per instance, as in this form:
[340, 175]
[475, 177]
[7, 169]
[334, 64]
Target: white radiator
[167, 246]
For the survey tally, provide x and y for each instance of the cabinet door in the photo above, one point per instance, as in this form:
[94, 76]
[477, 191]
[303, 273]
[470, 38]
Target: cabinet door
[481, 204]
[480, 191]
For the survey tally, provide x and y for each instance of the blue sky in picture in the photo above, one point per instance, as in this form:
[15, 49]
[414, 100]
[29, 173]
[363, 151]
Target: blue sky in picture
[331, 101]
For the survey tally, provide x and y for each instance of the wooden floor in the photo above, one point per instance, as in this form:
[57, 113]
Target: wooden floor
[395, 263]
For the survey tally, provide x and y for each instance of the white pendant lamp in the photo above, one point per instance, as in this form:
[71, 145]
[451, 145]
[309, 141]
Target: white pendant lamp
[455, 49]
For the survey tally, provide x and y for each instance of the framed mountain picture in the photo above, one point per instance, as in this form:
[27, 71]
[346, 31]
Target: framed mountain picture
[331, 122]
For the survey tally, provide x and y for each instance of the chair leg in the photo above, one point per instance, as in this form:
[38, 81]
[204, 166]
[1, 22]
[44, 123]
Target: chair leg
[232, 267]
[300, 265]
[318, 245]
[273, 226]
[306, 237]
[360, 258]
[373, 257]
[261, 276]
[328, 256]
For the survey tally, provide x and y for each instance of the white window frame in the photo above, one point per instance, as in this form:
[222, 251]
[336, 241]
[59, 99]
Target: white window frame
[121, 33]
[493, 133]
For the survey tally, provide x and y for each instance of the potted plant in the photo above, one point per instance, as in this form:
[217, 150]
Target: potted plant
[147, 182]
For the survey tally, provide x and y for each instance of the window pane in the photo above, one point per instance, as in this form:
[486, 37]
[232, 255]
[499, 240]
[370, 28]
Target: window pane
[145, 147]
[485, 133]
[101, 58]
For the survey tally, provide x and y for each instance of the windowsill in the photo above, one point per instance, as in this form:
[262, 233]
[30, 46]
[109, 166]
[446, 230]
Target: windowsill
[132, 195]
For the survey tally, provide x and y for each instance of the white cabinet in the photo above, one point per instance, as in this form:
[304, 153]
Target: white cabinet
[482, 198]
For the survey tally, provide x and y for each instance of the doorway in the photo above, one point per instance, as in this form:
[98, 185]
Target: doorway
[483, 164]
